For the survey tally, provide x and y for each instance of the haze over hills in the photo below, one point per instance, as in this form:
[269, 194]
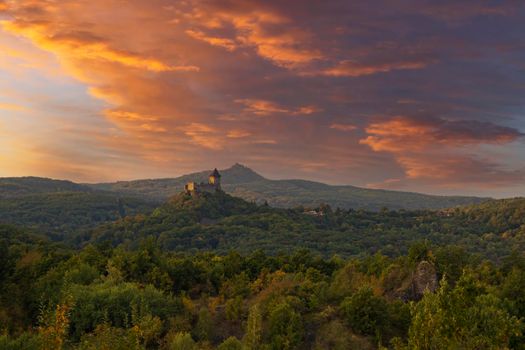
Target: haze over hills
[59, 207]
[243, 182]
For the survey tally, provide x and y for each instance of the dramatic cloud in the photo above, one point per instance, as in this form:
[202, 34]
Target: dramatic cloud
[403, 134]
[433, 148]
[262, 108]
[237, 134]
[343, 127]
[83, 46]
[273, 35]
[294, 89]
[203, 135]
[353, 69]
[228, 44]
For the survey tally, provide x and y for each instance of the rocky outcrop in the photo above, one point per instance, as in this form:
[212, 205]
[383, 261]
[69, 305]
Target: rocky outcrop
[425, 278]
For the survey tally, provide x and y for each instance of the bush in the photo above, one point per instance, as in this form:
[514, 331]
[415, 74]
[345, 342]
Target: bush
[365, 313]
[231, 343]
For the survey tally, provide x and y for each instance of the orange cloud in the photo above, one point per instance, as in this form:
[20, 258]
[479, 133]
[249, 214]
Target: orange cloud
[20, 57]
[12, 107]
[204, 135]
[174, 82]
[398, 134]
[46, 37]
[226, 43]
[284, 45]
[238, 134]
[265, 142]
[402, 133]
[343, 127]
[131, 120]
[349, 68]
[306, 110]
[437, 149]
[117, 66]
[264, 108]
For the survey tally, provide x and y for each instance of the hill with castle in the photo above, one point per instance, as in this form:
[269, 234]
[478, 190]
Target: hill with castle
[243, 182]
[60, 207]
[213, 185]
[112, 268]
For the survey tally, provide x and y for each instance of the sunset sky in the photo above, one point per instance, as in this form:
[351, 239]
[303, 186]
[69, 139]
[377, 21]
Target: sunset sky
[409, 95]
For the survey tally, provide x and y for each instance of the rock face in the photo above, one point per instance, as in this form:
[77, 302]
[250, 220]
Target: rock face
[408, 283]
[425, 277]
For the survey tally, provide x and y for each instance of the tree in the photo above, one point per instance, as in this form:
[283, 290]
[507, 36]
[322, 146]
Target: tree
[54, 325]
[204, 326]
[336, 336]
[24, 342]
[231, 343]
[419, 251]
[146, 326]
[463, 317]
[286, 328]
[234, 309]
[105, 337]
[182, 341]
[365, 313]
[4, 261]
[253, 336]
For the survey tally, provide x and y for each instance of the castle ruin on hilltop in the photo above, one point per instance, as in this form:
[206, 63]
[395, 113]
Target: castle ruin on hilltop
[213, 185]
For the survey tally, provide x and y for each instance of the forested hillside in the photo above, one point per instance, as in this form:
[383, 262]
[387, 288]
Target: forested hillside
[16, 187]
[217, 272]
[243, 182]
[100, 297]
[62, 208]
[80, 215]
[220, 222]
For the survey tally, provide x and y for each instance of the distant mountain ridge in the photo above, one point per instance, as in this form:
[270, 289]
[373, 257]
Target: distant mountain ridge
[220, 222]
[245, 183]
[59, 208]
[239, 181]
[11, 187]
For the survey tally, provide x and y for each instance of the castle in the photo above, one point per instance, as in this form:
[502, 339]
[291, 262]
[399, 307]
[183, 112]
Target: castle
[213, 185]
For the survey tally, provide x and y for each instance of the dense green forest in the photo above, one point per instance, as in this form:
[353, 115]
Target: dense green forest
[218, 272]
[100, 297]
[61, 214]
[220, 222]
[61, 208]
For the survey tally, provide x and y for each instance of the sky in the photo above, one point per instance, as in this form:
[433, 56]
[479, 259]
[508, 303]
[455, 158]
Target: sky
[424, 96]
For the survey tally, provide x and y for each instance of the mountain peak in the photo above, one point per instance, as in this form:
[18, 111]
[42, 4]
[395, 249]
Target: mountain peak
[238, 165]
[239, 173]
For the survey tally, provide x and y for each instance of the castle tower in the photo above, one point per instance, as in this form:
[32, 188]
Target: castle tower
[215, 179]
[213, 185]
